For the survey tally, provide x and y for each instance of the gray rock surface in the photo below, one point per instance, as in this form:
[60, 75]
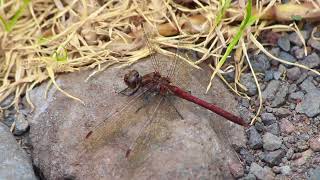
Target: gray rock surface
[270, 90]
[260, 172]
[280, 96]
[14, 162]
[188, 148]
[271, 142]
[260, 63]
[268, 118]
[293, 73]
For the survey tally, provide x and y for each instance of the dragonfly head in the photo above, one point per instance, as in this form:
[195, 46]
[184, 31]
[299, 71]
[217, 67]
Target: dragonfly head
[132, 79]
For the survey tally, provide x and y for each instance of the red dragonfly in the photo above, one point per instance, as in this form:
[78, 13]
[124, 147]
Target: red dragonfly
[152, 91]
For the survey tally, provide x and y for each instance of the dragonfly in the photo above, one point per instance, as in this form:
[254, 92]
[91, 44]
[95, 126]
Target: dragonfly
[154, 92]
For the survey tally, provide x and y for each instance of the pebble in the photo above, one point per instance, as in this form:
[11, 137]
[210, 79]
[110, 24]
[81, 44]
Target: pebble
[254, 138]
[274, 158]
[290, 153]
[270, 90]
[314, 143]
[273, 129]
[268, 75]
[285, 170]
[276, 75]
[236, 169]
[314, 44]
[314, 173]
[248, 81]
[296, 96]
[280, 96]
[307, 85]
[268, 118]
[293, 73]
[282, 112]
[14, 162]
[21, 124]
[275, 52]
[287, 57]
[302, 78]
[292, 88]
[294, 38]
[284, 43]
[286, 126]
[311, 60]
[271, 142]
[299, 53]
[310, 104]
[303, 159]
[260, 63]
[260, 172]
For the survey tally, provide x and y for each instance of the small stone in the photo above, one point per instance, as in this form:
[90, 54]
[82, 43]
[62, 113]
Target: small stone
[286, 126]
[296, 96]
[260, 172]
[294, 37]
[268, 118]
[302, 78]
[273, 129]
[274, 158]
[292, 88]
[301, 146]
[255, 141]
[270, 90]
[311, 61]
[293, 73]
[290, 153]
[285, 170]
[229, 76]
[280, 96]
[307, 85]
[276, 75]
[271, 142]
[287, 57]
[246, 155]
[236, 169]
[275, 52]
[310, 105]
[314, 44]
[299, 53]
[276, 169]
[284, 43]
[21, 124]
[282, 112]
[314, 143]
[248, 81]
[260, 63]
[268, 76]
[304, 157]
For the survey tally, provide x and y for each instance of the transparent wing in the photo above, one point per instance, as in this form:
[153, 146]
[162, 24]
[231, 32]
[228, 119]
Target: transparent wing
[154, 131]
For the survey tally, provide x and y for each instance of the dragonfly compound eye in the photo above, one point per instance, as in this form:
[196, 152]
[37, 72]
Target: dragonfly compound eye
[132, 79]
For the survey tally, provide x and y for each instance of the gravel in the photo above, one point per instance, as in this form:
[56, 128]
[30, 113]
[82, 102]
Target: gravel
[248, 81]
[260, 172]
[255, 140]
[280, 96]
[284, 43]
[293, 73]
[268, 118]
[314, 143]
[287, 57]
[311, 60]
[270, 90]
[271, 142]
[260, 63]
[314, 44]
[21, 124]
[286, 126]
[274, 158]
[273, 129]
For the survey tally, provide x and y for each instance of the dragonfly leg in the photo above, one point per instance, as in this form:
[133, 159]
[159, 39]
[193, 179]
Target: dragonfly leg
[146, 101]
[126, 90]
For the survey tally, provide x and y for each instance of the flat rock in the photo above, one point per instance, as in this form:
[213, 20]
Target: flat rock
[169, 148]
[14, 162]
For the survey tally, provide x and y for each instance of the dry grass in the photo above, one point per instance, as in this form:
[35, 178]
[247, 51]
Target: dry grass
[48, 37]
